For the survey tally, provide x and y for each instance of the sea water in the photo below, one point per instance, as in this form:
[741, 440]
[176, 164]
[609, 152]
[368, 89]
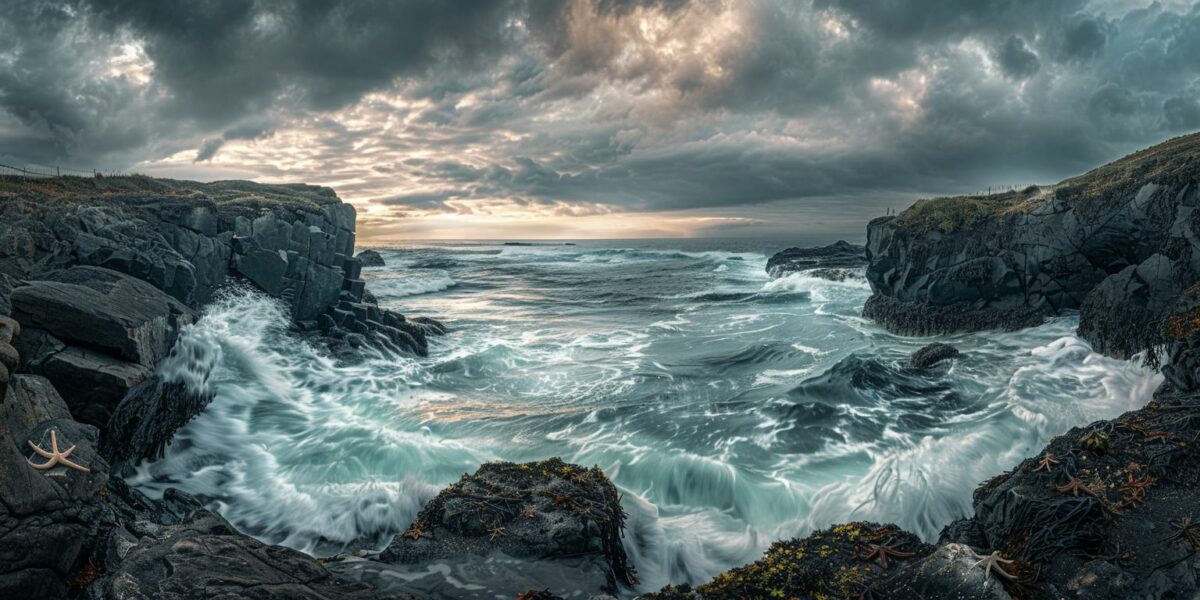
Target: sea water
[731, 409]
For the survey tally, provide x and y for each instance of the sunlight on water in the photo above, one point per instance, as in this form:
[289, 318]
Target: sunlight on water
[731, 409]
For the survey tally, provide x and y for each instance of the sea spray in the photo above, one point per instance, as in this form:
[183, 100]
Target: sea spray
[731, 409]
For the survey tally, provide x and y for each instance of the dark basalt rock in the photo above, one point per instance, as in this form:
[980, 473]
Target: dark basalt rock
[46, 517]
[148, 417]
[204, 558]
[1118, 243]
[103, 309]
[370, 258]
[840, 562]
[9, 357]
[835, 261]
[93, 382]
[545, 510]
[931, 355]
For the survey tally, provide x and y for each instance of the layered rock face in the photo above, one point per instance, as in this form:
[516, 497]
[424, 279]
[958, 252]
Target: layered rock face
[98, 277]
[1118, 243]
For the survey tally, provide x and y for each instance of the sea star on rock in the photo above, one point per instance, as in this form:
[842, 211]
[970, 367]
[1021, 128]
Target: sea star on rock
[528, 512]
[496, 533]
[993, 566]
[1187, 531]
[1162, 437]
[1074, 487]
[880, 553]
[1135, 489]
[55, 457]
[416, 531]
[1046, 463]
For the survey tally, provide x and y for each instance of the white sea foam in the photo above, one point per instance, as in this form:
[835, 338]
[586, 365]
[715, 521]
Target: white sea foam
[410, 284]
[708, 421]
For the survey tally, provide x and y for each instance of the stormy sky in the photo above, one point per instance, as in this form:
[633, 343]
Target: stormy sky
[600, 118]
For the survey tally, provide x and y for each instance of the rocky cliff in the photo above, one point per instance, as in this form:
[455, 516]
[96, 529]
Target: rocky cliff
[1107, 510]
[1118, 244]
[98, 277]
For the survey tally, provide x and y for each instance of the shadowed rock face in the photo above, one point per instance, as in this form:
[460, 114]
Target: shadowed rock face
[101, 275]
[1118, 243]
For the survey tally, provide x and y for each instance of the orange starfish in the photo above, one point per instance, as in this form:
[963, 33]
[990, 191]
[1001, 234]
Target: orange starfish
[55, 457]
[1046, 463]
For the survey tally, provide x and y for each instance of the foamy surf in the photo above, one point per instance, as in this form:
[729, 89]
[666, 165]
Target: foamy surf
[731, 410]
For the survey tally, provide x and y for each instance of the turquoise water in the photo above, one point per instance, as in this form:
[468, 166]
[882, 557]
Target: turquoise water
[731, 409]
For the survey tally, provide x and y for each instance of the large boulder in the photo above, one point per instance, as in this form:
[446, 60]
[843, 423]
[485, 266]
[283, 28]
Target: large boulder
[547, 511]
[371, 258]
[103, 309]
[9, 357]
[93, 382]
[204, 558]
[148, 417]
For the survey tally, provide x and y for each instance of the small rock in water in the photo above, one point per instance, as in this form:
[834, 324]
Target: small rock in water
[835, 261]
[932, 354]
[371, 258]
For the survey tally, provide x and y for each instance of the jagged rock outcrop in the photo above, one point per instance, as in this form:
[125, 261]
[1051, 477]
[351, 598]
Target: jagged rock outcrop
[835, 261]
[547, 511]
[1118, 243]
[104, 309]
[101, 275]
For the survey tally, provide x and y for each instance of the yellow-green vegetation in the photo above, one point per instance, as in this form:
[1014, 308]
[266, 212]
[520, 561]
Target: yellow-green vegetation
[1173, 161]
[948, 215]
[242, 196]
[832, 563]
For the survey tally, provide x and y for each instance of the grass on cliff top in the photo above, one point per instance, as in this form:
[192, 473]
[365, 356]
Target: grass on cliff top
[247, 194]
[1174, 161]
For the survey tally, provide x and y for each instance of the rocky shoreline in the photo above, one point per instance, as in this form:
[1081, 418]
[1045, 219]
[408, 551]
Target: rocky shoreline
[99, 276]
[1107, 510]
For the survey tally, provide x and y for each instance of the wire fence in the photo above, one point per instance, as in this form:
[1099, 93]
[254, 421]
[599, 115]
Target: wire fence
[43, 172]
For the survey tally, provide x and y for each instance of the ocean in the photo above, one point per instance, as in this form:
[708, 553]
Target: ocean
[731, 409]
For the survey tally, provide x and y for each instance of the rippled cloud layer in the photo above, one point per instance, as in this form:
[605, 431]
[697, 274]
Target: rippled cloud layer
[545, 118]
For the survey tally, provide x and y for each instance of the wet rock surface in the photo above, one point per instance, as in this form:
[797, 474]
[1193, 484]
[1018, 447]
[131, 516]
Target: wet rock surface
[835, 261]
[932, 354]
[1117, 243]
[1107, 510]
[545, 510]
[370, 258]
[841, 562]
[97, 280]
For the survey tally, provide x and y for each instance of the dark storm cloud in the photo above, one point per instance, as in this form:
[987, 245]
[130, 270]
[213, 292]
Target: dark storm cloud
[423, 105]
[1017, 60]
